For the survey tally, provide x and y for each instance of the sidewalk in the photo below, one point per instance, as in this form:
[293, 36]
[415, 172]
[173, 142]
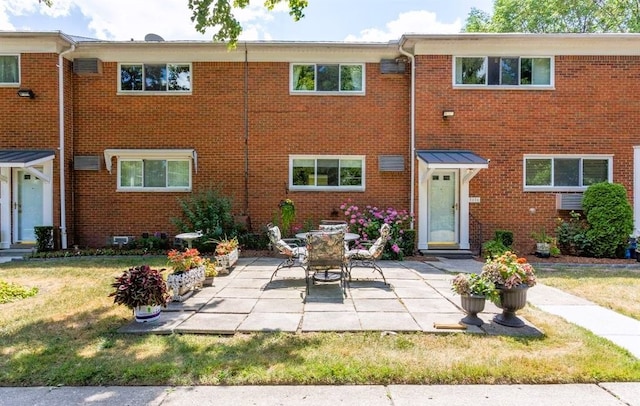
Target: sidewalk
[621, 330]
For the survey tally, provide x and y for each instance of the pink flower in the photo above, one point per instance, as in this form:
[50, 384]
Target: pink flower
[395, 248]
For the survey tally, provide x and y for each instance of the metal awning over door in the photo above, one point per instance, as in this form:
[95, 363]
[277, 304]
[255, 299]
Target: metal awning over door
[24, 158]
[450, 159]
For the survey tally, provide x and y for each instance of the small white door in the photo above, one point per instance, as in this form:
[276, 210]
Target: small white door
[28, 205]
[443, 208]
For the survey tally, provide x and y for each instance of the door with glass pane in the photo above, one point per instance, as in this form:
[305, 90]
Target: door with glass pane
[443, 208]
[27, 205]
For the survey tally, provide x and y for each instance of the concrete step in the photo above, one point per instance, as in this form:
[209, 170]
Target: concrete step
[451, 254]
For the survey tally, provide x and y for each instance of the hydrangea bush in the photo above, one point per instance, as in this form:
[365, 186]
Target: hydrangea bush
[367, 221]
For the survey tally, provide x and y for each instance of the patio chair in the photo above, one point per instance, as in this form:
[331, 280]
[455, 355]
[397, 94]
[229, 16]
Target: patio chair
[367, 258]
[335, 225]
[292, 248]
[325, 250]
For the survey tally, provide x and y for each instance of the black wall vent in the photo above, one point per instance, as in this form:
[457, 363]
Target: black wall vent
[392, 66]
[391, 163]
[86, 163]
[87, 66]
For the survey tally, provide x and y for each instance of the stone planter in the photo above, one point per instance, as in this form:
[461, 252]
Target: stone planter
[224, 262]
[511, 300]
[473, 305]
[147, 314]
[183, 284]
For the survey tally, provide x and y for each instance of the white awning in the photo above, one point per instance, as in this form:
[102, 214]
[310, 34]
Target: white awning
[150, 154]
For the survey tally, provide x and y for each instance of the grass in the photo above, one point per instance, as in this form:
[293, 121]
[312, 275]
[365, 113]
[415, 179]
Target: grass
[66, 335]
[615, 289]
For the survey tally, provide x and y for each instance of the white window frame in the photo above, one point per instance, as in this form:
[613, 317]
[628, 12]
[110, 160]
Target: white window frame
[328, 93]
[547, 188]
[152, 154]
[153, 92]
[550, 86]
[13, 84]
[349, 188]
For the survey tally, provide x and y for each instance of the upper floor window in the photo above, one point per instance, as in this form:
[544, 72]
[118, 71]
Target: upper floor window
[326, 172]
[329, 78]
[503, 71]
[9, 69]
[155, 77]
[566, 172]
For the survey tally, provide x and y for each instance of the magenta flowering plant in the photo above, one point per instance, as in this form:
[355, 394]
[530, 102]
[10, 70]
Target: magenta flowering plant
[366, 221]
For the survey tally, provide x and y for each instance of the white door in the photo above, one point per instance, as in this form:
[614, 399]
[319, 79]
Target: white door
[443, 208]
[28, 205]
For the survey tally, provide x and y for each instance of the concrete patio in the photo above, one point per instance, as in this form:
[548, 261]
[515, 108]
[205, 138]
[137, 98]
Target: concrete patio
[418, 297]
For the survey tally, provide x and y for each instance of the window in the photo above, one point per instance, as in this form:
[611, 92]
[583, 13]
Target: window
[155, 77]
[9, 69]
[326, 172]
[149, 170]
[566, 172]
[503, 71]
[327, 78]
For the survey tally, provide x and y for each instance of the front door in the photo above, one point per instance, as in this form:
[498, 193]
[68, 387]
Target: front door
[443, 208]
[27, 205]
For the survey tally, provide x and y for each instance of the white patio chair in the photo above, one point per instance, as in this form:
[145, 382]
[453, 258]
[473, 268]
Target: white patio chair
[292, 248]
[367, 258]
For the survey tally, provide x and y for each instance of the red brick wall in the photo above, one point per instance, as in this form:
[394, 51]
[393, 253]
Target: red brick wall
[593, 110]
[212, 121]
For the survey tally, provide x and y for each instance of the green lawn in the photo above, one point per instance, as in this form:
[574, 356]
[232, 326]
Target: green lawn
[66, 335]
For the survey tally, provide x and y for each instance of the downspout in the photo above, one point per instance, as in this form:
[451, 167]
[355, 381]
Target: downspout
[63, 191]
[246, 131]
[412, 151]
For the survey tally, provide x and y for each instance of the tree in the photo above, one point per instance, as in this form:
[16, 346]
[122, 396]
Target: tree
[547, 16]
[219, 14]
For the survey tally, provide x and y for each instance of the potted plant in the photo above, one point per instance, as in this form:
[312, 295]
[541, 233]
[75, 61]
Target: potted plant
[512, 277]
[543, 243]
[473, 289]
[226, 253]
[143, 290]
[188, 272]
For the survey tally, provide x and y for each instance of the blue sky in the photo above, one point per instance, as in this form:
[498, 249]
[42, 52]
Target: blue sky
[325, 20]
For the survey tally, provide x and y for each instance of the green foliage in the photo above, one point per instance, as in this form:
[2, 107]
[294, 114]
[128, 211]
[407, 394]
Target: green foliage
[254, 241]
[152, 243]
[287, 215]
[140, 286]
[572, 235]
[219, 14]
[549, 16]
[610, 218]
[505, 237]
[10, 292]
[44, 238]
[474, 284]
[493, 249]
[209, 212]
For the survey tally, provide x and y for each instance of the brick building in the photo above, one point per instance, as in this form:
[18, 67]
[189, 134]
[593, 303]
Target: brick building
[470, 132]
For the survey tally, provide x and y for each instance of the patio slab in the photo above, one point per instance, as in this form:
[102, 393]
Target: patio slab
[379, 305]
[279, 306]
[331, 321]
[211, 323]
[430, 305]
[229, 305]
[288, 322]
[390, 322]
[165, 325]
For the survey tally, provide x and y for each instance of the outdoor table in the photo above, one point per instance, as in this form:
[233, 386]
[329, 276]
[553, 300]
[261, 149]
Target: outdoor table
[327, 276]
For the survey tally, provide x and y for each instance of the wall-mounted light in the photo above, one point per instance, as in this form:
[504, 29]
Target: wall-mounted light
[26, 93]
[447, 113]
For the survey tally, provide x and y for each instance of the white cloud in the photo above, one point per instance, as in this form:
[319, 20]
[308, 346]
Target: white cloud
[420, 22]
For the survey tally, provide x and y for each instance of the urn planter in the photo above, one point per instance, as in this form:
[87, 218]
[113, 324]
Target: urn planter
[472, 304]
[183, 284]
[510, 301]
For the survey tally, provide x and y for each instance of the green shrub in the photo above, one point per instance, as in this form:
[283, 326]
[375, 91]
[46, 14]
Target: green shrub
[44, 238]
[610, 218]
[493, 249]
[572, 235]
[505, 237]
[209, 212]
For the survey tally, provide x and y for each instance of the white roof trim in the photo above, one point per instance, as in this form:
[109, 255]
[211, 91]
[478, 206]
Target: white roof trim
[150, 153]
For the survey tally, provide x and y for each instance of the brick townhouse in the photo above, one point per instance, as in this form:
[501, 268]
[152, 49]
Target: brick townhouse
[470, 132]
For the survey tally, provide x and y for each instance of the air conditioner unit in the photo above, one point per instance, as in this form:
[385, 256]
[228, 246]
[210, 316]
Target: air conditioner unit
[569, 201]
[121, 240]
[87, 66]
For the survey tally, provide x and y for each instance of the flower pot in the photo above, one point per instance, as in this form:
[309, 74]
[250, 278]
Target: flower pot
[224, 262]
[543, 250]
[473, 305]
[147, 314]
[510, 301]
[183, 284]
[208, 281]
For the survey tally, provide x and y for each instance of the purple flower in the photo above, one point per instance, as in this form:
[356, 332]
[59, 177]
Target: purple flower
[395, 248]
